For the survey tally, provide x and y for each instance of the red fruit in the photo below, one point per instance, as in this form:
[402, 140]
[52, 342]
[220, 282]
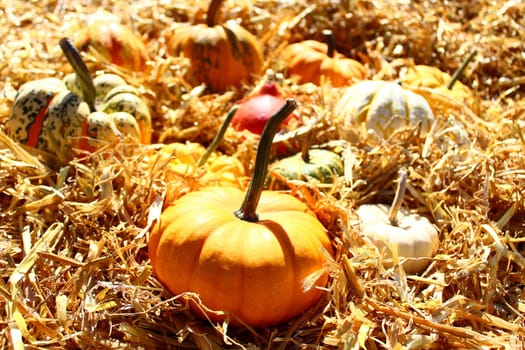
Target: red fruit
[254, 112]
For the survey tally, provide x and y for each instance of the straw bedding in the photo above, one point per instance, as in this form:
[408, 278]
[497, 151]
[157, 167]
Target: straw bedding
[73, 239]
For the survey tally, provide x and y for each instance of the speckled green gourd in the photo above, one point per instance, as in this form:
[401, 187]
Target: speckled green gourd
[113, 94]
[125, 98]
[45, 114]
[103, 84]
[60, 116]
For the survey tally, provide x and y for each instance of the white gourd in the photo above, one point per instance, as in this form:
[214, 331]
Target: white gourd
[382, 108]
[391, 228]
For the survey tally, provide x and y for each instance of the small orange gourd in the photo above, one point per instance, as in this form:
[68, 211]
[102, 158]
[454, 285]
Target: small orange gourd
[192, 159]
[313, 61]
[249, 264]
[221, 55]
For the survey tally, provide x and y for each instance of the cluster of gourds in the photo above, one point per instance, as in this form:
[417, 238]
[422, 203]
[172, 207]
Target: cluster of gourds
[78, 113]
[246, 253]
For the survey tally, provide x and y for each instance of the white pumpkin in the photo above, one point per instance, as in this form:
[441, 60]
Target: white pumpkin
[414, 235]
[382, 108]
[392, 228]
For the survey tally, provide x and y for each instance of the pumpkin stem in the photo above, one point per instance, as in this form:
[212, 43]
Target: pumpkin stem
[81, 70]
[247, 211]
[460, 69]
[398, 198]
[305, 147]
[218, 138]
[329, 35]
[213, 12]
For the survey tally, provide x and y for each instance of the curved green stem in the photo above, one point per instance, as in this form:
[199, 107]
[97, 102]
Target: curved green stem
[81, 70]
[247, 211]
[398, 198]
[218, 138]
[213, 11]
[305, 146]
[330, 42]
[460, 70]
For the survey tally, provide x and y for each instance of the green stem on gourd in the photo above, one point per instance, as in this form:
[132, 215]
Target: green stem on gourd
[398, 198]
[213, 12]
[247, 211]
[461, 69]
[305, 146]
[218, 138]
[329, 35]
[81, 70]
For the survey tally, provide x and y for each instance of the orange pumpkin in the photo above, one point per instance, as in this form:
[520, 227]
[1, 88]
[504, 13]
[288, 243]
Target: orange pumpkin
[192, 159]
[220, 56]
[249, 263]
[115, 42]
[313, 61]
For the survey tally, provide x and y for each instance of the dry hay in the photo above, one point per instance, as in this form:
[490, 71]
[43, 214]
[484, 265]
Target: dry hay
[75, 271]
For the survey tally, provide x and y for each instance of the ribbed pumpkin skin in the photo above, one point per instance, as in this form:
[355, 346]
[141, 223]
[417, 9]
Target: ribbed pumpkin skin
[114, 95]
[383, 107]
[308, 60]
[322, 165]
[45, 115]
[253, 269]
[221, 56]
[126, 98]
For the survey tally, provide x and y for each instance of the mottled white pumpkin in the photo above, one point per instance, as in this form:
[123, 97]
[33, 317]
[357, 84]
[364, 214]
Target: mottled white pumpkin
[48, 116]
[103, 84]
[114, 95]
[126, 98]
[45, 113]
[65, 118]
[414, 235]
[382, 107]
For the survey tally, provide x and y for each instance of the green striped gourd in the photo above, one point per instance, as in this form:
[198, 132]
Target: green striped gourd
[311, 163]
[323, 165]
